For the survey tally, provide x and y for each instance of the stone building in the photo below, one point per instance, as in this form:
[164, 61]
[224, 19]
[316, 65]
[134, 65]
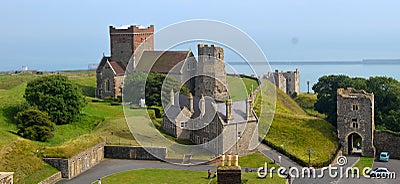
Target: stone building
[211, 73]
[123, 43]
[355, 121]
[287, 81]
[214, 125]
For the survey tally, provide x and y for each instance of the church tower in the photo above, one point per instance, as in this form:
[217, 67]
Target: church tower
[125, 40]
[211, 80]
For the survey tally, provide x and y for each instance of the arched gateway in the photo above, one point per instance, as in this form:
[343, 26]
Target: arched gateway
[355, 121]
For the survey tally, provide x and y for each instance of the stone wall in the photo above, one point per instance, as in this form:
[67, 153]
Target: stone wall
[385, 141]
[6, 177]
[355, 115]
[52, 179]
[71, 167]
[133, 152]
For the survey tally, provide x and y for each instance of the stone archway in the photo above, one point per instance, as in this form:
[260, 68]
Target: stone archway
[354, 143]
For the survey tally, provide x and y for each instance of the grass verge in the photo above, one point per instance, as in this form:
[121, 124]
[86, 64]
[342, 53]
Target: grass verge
[178, 177]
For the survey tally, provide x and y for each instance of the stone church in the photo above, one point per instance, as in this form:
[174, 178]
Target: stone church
[123, 43]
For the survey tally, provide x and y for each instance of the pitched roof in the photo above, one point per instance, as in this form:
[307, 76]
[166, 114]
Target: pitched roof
[165, 61]
[238, 109]
[118, 67]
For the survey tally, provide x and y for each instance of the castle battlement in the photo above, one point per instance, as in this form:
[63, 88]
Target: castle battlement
[287, 81]
[131, 29]
[354, 93]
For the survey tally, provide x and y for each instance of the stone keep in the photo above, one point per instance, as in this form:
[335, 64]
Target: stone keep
[355, 115]
[211, 74]
[125, 40]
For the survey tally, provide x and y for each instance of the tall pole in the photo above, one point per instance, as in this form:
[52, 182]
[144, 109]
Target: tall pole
[236, 139]
[308, 87]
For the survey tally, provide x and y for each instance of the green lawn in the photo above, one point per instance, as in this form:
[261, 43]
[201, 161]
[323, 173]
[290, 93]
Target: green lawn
[363, 163]
[156, 176]
[256, 160]
[239, 88]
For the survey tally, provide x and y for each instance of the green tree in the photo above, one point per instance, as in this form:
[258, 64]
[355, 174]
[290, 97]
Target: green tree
[57, 96]
[326, 89]
[387, 101]
[138, 86]
[386, 92]
[35, 125]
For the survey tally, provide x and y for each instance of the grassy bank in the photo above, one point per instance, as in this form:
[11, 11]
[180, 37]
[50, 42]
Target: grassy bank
[293, 132]
[363, 163]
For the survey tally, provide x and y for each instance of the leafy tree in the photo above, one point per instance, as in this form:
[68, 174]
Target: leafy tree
[57, 96]
[155, 85]
[35, 125]
[387, 101]
[386, 92]
[326, 89]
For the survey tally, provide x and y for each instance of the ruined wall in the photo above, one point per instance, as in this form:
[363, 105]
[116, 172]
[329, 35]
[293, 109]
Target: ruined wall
[288, 81]
[134, 152]
[385, 141]
[356, 106]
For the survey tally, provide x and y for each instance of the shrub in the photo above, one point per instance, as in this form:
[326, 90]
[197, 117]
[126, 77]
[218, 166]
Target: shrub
[35, 125]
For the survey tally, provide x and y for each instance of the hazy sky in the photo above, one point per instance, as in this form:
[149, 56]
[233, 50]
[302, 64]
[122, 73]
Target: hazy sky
[50, 35]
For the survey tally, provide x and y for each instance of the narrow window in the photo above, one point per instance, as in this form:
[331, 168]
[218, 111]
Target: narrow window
[355, 107]
[354, 123]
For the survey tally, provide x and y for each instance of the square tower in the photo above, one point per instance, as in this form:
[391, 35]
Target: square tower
[125, 40]
[355, 121]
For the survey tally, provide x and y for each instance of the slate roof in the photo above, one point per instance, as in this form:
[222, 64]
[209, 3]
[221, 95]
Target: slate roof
[165, 61]
[238, 109]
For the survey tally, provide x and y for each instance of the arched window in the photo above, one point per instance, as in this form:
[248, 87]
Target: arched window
[108, 85]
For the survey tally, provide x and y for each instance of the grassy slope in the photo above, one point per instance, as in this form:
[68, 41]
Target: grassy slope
[20, 155]
[307, 101]
[296, 132]
[177, 176]
[240, 87]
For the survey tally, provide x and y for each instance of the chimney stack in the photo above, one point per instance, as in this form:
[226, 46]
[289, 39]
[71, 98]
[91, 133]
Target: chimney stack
[229, 110]
[249, 107]
[171, 97]
[191, 102]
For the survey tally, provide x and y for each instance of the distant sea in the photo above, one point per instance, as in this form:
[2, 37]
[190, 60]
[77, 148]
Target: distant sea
[309, 70]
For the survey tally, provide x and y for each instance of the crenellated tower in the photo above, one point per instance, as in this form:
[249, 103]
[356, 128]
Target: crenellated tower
[211, 80]
[125, 40]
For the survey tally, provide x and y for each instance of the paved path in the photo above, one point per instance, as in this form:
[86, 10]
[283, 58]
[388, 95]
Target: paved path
[273, 155]
[326, 176]
[111, 166]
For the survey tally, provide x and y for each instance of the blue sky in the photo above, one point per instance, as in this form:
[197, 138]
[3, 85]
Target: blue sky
[55, 35]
